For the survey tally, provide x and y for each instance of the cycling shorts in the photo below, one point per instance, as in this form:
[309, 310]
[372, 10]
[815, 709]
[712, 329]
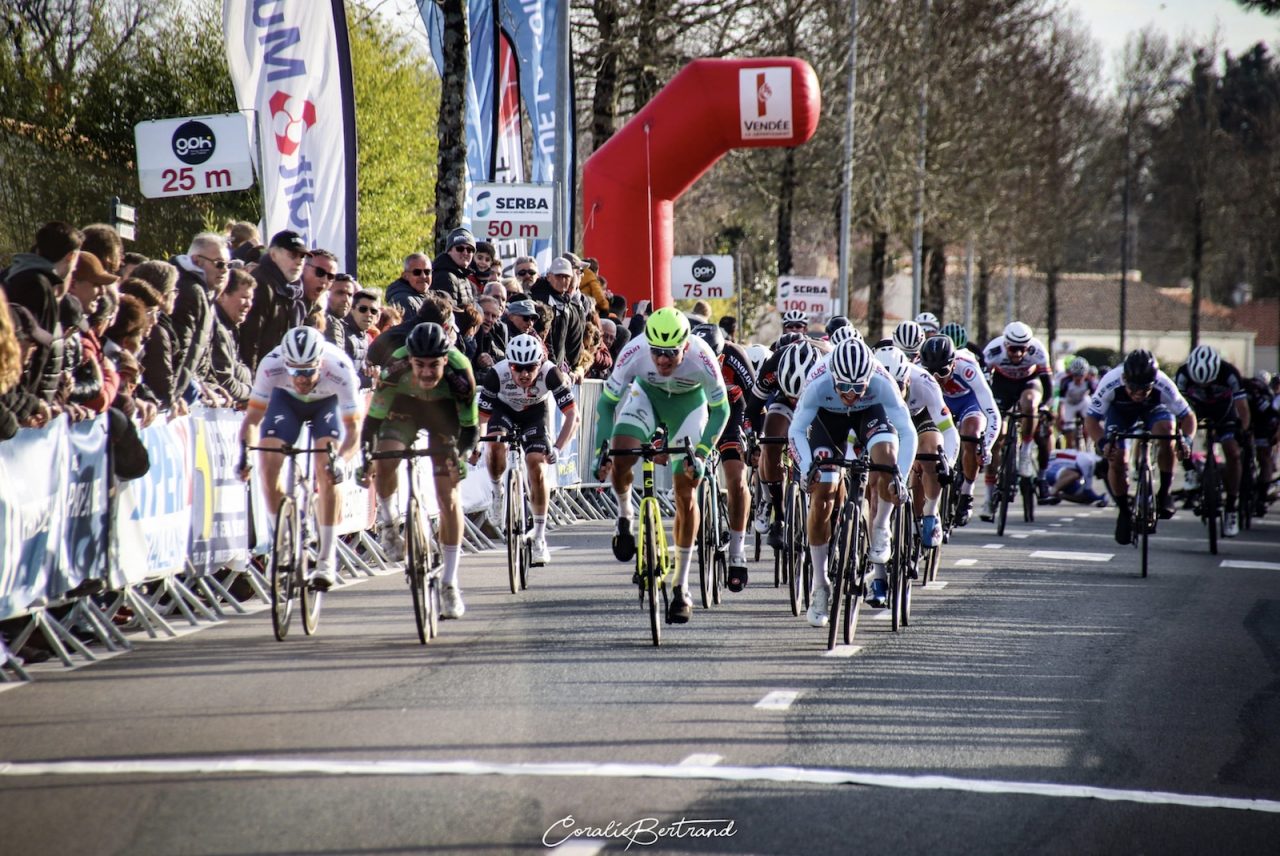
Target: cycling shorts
[730, 443]
[286, 414]
[1122, 416]
[530, 424]
[962, 406]
[438, 418]
[1072, 412]
[1222, 414]
[923, 421]
[1008, 391]
[684, 415]
[829, 433]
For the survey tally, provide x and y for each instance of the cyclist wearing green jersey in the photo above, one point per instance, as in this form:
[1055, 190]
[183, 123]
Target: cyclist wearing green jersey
[436, 393]
[665, 377]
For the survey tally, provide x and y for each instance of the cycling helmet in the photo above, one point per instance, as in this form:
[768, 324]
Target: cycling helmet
[841, 334]
[851, 362]
[757, 354]
[956, 333]
[836, 322]
[1079, 367]
[928, 322]
[427, 340]
[525, 350]
[908, 336]
[794, 366]
[667, 328]
[788, 339]
[1203, 364]
[794, 316]
[895, 362]
[712, 335]
[1140, 368]
[938, 355]
[1017, 334]
[302, 346]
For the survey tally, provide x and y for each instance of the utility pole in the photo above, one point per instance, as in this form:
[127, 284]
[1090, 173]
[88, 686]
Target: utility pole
[846, 199]
[917, 238]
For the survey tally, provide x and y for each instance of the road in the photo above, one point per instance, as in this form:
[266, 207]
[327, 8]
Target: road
[1037, 704]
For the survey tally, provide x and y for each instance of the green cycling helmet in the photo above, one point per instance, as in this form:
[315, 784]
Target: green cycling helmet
[956, 333]
[667, 328]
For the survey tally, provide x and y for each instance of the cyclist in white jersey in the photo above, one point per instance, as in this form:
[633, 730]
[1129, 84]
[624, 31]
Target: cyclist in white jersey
[515, 398]
[935, 431]
[304, 380]
[1075, 388]
[849, 391]
[1018, 365]
[665, 377]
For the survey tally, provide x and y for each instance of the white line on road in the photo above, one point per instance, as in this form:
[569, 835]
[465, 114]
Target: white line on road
[701, 759]
[778, 700]
[881, 614]
[786, 775]
[993, 546]
[838, 651]
[937, 584]
[1072, 556]
[966, 563]
[1021, 536]
[1240, 563]
[581, 846]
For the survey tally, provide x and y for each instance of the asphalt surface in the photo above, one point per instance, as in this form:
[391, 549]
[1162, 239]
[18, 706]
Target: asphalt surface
[1023, 671]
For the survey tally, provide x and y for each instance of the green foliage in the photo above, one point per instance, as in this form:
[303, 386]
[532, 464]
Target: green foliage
[396, 105]
[1100, 356]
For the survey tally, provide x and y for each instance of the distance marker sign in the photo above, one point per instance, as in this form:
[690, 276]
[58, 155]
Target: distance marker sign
[196, 154]
[701, 277]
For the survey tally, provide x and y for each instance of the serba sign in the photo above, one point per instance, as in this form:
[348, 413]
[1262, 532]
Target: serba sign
[517, 203]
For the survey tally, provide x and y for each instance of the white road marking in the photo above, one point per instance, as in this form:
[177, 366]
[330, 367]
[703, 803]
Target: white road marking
[1021, 536]
[838, 651]
[966, 563]
[581, 846]
[881, 614]
[937, 584]
[1055, 525]
[1072, 556]
[778, 700]
[701, 759]
[785, 775]
[1240, 563]
[993, 546]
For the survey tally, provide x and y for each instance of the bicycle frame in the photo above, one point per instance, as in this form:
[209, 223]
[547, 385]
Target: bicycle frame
[1145, 514]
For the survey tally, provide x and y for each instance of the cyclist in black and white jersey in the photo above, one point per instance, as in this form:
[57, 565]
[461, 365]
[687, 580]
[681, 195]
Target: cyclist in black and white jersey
[515, 398]
[1215, 390]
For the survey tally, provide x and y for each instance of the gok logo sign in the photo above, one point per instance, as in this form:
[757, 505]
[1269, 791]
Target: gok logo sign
[704, 270]
[194, 142]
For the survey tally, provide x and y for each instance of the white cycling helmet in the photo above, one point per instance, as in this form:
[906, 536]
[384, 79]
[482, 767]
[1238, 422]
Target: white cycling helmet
[301, 346]
[928, 322]
[851, 362]
[794, 316]
[841, 334]
[1017, 334]
[1079, 367]
[909, 337]
[758, 354]
[525, 350]
[895, 362]
[794, 366]
[1203, 364]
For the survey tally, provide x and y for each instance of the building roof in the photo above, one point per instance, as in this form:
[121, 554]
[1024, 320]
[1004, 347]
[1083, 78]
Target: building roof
[1263, 318]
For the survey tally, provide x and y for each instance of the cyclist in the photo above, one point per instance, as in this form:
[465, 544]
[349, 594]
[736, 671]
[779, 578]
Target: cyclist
[794, 321]
[757, 354]
[304, 380]
[436, 394]
[909, 337]
[515, 398]
[1070, 476]
[929, 323]
[935, 434]
[850, 391]
[959, 337]
[1137, 391]
[1216, 392]
[1074, 391]
[836, 322]
[739, 381]
[967, 394]
[668, 378]
[1264, 417]
[1018, 365]
[770, 407]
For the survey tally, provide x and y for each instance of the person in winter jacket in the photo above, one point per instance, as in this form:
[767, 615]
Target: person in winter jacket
[277, 299]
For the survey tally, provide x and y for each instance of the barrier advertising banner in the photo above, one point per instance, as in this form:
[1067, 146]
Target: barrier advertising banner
[32, 508]
[153, 518]
[85, 496]
[219, 507]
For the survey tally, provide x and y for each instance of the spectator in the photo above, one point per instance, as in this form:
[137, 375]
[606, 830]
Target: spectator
[389, 317]
[122, 342]
[318, 274]
[482, 265]
[564, 338]
[20, 337]
[89, 280]
[621, 337]
[160, 359]
[451, 269]
[729, 325]
[406, 292]
[359, 323]
[519, 318]
[201, 273]
[590, 283]
[277, 298]
[700, 314]
[595, 354]
[618, 307]
[436, 307]
[491, 336]
[93, 382]
[105, 315]
[340, 295]
[244, 242]
[105, 243]
[230, 309]
[526, 273]
[131, 261]
[498, 292]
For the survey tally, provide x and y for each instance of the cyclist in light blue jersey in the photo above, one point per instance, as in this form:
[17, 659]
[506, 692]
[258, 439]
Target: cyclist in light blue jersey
[850, 391]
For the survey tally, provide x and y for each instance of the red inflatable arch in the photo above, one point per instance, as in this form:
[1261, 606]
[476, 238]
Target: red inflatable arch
[710, 107]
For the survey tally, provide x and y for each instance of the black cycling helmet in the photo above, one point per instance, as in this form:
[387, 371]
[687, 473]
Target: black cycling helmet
[712, 335]
[427, 340]
[787, 339]
[938, 354]
[1140, 368]
[836, 322]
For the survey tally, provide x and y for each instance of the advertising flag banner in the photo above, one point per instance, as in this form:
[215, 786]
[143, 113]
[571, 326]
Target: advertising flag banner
[508, 165]
[290, 63]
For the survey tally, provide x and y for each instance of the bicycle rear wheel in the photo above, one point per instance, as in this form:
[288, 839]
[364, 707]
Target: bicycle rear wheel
[1027, 487]
[1004, 490]
[650, 565]
[415, 569]
[283, 579]
[514, 533]
[1211, 500]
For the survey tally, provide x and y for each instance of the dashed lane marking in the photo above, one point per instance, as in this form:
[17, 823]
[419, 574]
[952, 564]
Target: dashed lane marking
[778, 700]
[785, 775]
[993, 546]
[701, 759]
[1072, 556]
[966, 563]
[581, 846]
[1258, 566]
[843, 651]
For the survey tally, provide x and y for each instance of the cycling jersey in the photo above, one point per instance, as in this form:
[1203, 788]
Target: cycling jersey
[1073, 391]
[1085, 463]
[925, 396]
[764, 390]
[1216, 395]
[736, 370]
[966, 392]
[1034, 363]
[447, 411]
[1112, 402]
[820, 396]
[500, 386]
[337, 378]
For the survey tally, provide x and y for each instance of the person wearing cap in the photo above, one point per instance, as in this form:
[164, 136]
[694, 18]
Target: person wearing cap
[451, 270]
[406, 292]
[277, 297]
[91, 389]
[201, 274]
[519, 317]
[89, 280]
[564, 339]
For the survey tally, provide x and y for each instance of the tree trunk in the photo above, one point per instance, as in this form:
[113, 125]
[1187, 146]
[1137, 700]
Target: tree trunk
[875, 294]
[983, 298]
[1051, 307]
[786, 202]
[936, 271]
[1197, 265]
[604, 98]
[451, 168]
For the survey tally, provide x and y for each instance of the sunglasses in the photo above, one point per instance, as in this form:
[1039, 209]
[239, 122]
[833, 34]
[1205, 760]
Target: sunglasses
[524, 369]
[302, 371]
[1014, 349]
[217, 263]
[795, 325]
[421, 271]
[846, 388]
[465, 249]
[322, 273]
[669, 353]
[366, 309]
[526, 273]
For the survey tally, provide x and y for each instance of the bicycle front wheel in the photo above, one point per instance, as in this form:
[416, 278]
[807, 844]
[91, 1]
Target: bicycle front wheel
[651, 569]
[1004, 488]
[283, 589]
[706, 543]
[311, 599]
[515, 531]
[793, 548]
[1211, 502]
[415, 568]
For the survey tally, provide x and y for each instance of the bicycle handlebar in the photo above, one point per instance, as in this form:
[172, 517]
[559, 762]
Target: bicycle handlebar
[648, 451]
[405, 454]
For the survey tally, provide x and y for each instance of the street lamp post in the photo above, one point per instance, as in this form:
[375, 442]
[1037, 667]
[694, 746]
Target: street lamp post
[1124, 233]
